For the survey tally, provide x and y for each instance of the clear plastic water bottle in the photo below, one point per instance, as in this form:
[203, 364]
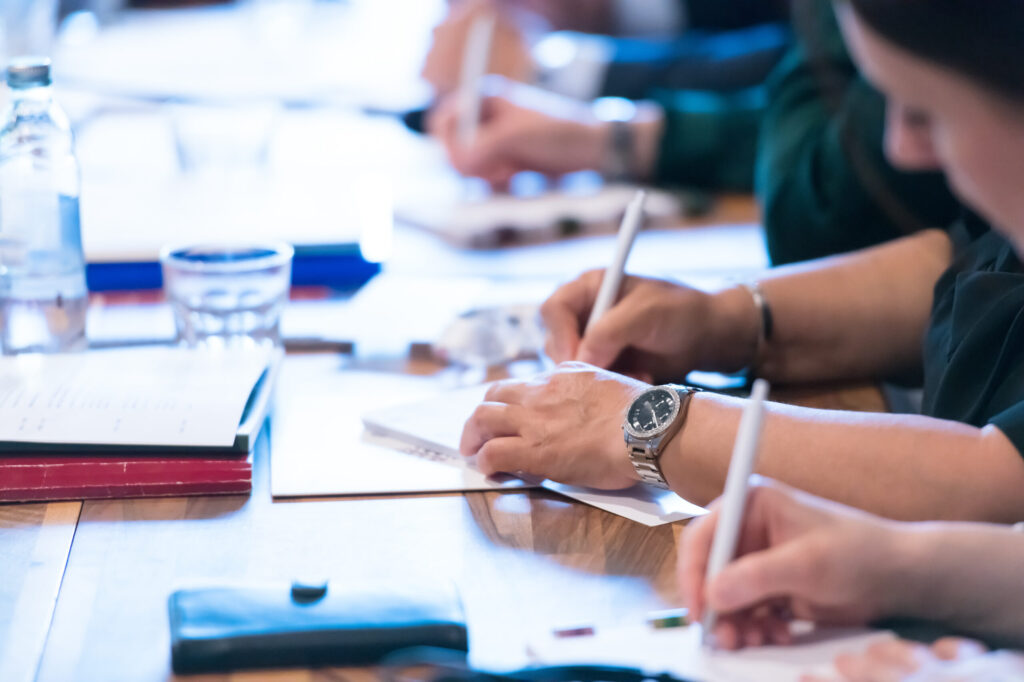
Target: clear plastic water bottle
[43, 298]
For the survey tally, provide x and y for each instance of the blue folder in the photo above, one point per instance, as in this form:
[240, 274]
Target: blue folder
[338, 266]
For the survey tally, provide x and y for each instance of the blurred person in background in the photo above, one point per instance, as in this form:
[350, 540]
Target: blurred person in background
[702, 62]
[810, 133]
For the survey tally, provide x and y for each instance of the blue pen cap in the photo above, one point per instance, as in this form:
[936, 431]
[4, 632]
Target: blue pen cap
[28, 72]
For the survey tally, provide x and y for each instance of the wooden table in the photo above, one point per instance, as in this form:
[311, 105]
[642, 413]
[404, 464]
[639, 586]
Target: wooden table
[83, 586]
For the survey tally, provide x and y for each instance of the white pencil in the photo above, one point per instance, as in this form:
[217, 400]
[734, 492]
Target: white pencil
[476, 57]
[734, 499]
[612, 279]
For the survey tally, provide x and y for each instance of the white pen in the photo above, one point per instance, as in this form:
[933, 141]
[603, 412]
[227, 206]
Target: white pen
[734, 499]
[476, 57]
[612, 279]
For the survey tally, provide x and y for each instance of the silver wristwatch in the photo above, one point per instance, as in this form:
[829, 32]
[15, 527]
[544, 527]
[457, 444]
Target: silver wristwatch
[652, 419]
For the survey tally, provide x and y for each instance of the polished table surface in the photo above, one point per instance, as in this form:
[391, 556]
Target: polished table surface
[84, 585]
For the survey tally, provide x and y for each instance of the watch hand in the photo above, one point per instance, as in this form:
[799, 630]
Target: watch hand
[654, 415]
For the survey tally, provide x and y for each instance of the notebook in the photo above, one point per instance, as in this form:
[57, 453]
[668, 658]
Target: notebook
[135, 401]
[432, 427]
[55, 394]
[48, 478]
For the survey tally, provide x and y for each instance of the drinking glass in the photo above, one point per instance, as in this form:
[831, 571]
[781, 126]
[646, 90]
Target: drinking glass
[228, 295]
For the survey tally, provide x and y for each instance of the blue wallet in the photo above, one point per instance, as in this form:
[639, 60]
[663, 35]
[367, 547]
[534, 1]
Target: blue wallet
[232, 628]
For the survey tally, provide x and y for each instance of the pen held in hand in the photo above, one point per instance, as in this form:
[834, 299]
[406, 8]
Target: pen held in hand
[476, 57]
[734, 498]
[612, 279]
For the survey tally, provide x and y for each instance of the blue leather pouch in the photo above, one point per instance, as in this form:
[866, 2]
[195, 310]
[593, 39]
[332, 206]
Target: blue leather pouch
[232, 628]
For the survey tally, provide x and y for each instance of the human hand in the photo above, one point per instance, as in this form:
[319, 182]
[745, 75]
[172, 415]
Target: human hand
[586, 16]
[521, 128]
[656, 331]
[509, 57]
[800, 557]
[563, 425]
[948, 660]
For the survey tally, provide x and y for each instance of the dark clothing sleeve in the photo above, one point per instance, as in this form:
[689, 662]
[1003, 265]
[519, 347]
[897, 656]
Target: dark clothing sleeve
[720, 61]
[710, 139]
[822, 178]
[974, 347]
[711, 88]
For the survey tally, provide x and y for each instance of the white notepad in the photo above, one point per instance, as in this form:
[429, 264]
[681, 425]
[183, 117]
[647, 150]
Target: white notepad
[679, 651]
[136, 398]
[434, 426]
[485, 220]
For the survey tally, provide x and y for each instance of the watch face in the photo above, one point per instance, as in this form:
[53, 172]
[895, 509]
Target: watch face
[652, 412]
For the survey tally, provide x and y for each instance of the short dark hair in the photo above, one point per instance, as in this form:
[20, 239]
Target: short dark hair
[980, 39]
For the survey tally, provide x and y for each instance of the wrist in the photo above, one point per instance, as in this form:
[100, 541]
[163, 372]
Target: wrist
[904, 576]
[732, 330]
[628, 134]
[648, 129]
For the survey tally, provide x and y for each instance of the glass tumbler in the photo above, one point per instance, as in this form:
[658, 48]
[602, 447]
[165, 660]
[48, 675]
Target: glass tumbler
[228, 295]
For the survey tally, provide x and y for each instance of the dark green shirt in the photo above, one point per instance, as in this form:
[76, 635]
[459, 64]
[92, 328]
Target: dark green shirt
[823, 181]
[810, 142]
[974, 348]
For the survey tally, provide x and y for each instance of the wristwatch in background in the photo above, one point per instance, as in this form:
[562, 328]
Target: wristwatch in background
[652, 419]
[620, 156]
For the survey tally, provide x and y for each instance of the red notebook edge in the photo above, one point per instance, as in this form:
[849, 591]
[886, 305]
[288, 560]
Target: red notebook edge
[70, 477]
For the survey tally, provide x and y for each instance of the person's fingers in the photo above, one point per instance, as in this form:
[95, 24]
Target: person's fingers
[494, 137]
[693, 560]
[753, 633]
[727, 634]
[779, 632]
[489, 420]
[505, 391]
[872, 666]
[789, 569]
[441, 121]
[499, 176]
[897, 654]
[509, 455]
[955, 648]
[563, 314]
[611, 334]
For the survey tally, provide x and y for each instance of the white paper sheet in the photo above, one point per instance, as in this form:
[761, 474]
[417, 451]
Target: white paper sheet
[320, 448]
[679, 651]
[435, 425]
[493, 220]
[136, 397]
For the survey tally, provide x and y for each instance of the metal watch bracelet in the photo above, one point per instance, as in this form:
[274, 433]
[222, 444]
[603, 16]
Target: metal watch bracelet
[647, 461]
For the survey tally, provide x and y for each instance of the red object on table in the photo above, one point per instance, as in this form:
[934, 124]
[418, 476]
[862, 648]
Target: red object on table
[33, 478]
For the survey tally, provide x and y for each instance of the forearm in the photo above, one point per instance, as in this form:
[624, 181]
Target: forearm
[853, 316]
[898, 466]
[965, 575]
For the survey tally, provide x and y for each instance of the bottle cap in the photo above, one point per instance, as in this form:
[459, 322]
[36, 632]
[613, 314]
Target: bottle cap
[28, 72]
